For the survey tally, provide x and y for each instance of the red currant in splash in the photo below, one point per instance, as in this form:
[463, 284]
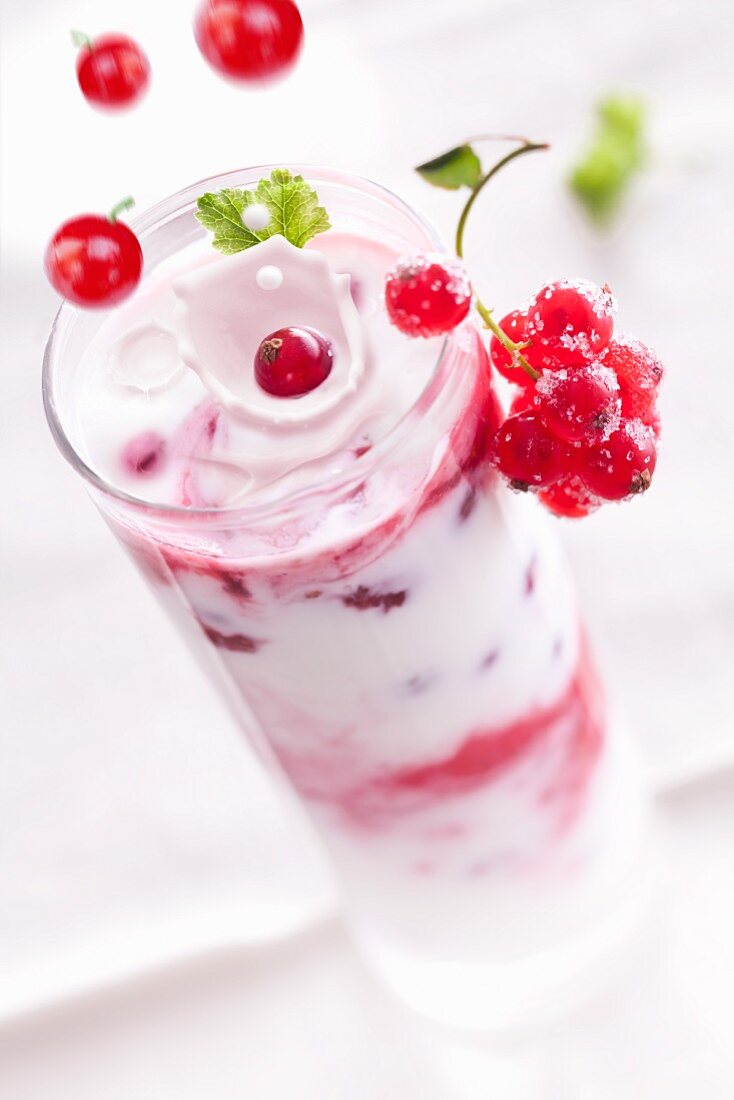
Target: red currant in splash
[293, 361]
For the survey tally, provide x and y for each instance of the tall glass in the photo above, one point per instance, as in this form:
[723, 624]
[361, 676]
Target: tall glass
[404, 646]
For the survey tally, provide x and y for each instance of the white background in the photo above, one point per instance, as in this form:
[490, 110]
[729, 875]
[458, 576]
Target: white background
[137, 837]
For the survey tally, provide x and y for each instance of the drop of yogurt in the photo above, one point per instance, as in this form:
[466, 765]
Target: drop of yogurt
[256, 217]
[269, 277]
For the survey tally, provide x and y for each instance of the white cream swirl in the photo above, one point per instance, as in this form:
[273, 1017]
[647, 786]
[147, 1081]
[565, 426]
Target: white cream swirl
[223, 312]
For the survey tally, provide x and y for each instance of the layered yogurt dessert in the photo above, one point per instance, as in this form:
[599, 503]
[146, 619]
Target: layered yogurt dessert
[394, 630]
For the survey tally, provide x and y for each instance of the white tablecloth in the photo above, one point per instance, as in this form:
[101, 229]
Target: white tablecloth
[135, 830]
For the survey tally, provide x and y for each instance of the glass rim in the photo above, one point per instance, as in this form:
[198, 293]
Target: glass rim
[145, 223]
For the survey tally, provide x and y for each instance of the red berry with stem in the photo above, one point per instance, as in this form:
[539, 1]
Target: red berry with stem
[513, 325]
[579, 404]
[427, 295]
[95, 261]
[112, 70]
[639, 373]
[249, 40]
[293, 361]
[622, 465]
[570, 322]
[569, 498]
[528, 454]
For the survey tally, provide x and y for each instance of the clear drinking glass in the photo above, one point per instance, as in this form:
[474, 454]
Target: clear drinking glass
[403, 645]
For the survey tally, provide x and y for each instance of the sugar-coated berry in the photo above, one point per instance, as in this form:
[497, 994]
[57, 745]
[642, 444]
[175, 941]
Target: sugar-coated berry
[293, 361]
[94, 261]
[528, 454]
[569, 498]
[514, 326]
[249, 40]
[639, 373]
[652, 420]
[427, 295]
[622, 465]
[570, 322]
[144, 456]
[580, 404]
[523, 400]
[113, 72]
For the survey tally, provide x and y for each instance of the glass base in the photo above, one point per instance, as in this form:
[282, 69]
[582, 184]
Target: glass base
[607, 927]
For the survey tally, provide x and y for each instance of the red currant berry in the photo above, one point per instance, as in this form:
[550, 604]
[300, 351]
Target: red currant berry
[639, 373]
[570, 498]
[523, 400]
[113, 71]
[579, 404]
[514, 326]
[570, 322]
[144, 455]
[293, 361]
[623, 465]
[250, 40]
[528, 454]
[94, 261]
[427, 295]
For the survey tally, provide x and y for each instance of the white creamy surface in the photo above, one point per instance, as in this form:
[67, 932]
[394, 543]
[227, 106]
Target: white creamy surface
[188, 338]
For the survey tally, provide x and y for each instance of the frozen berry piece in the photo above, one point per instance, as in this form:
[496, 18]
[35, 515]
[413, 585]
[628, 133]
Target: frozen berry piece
[235, 643]
[112, 70]
[293, 361]
[528, 454]
[569, 497]
[513, 325]
[249, 40]
[364, 598]
[94, 261]
[427, 295]
[580, 404]
[570, 322]
[623, 465]
[145, 455]
[639, 373]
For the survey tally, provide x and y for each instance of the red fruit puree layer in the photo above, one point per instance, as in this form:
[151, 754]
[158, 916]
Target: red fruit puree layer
[571, 729]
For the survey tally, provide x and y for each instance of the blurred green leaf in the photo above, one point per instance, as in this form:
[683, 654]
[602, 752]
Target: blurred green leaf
[460, 167]
[617, 152]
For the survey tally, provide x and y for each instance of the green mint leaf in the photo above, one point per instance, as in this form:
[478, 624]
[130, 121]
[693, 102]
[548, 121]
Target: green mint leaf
[460, 167]
[294, 207]
[292, 203]
[617, 152]
[221, 213]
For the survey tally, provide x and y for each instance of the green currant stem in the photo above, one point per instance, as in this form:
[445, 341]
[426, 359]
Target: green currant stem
[124, 204]
[82, 40]
[513, 349]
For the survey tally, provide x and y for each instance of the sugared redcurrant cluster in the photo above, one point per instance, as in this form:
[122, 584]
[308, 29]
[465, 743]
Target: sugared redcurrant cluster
[585, 430]
[583, 425]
